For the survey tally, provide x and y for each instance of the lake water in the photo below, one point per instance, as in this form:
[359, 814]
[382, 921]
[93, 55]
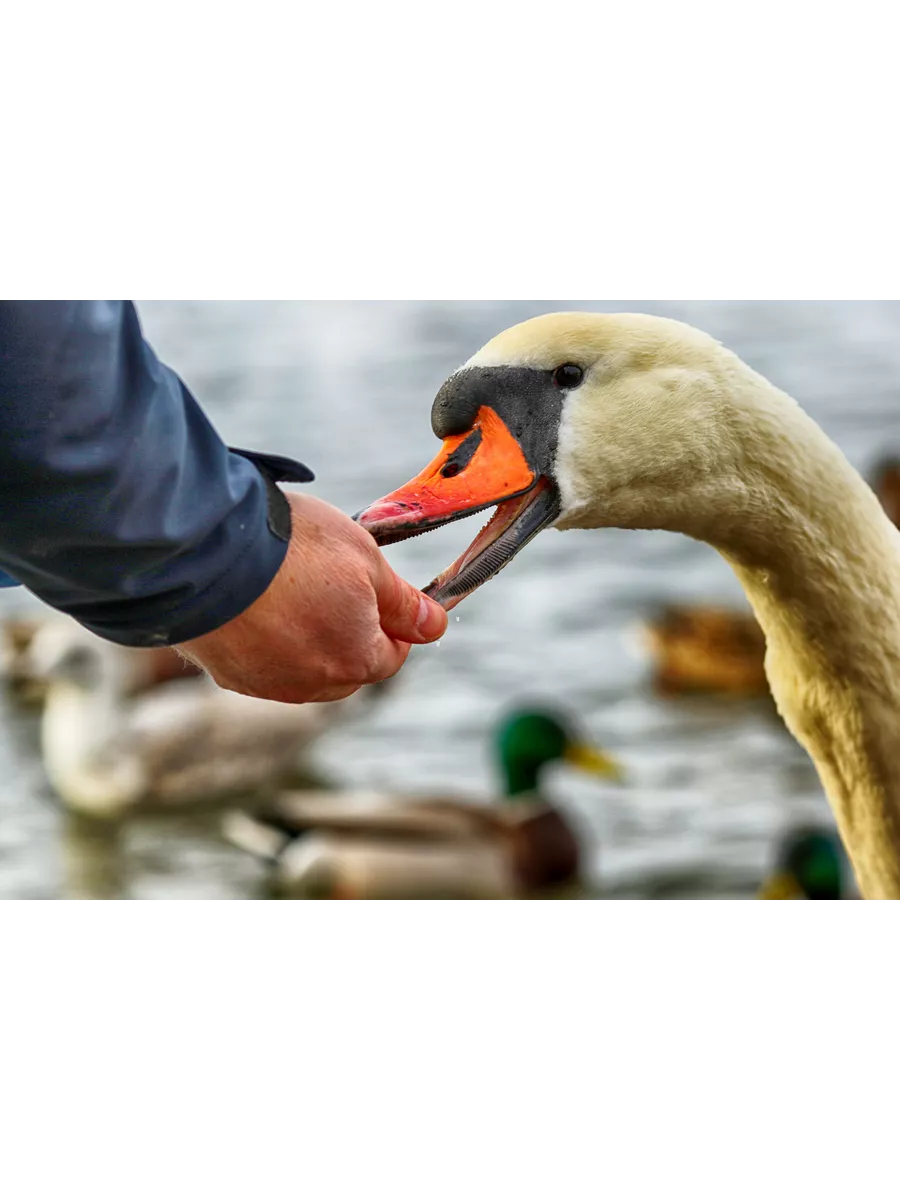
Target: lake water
[347, 388]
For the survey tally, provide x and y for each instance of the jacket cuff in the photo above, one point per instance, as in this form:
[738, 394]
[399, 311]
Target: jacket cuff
[252, 567]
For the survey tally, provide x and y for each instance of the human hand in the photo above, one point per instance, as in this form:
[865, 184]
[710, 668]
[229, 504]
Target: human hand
[335, 617]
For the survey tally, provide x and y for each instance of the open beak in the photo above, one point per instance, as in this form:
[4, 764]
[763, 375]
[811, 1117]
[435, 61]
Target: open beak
[782, 886]
[593, 761]
[475, 470]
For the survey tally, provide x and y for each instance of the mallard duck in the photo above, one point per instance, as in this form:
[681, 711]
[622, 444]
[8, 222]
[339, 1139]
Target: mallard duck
[810, 866]
[141, 670]
[706, 649]
[185, 742]
[585, 420]
[367, 845]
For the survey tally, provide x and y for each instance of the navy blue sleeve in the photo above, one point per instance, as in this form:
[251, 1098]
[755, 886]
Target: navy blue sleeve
[119, 503]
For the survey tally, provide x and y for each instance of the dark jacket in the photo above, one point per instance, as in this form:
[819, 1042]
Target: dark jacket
[119, 503]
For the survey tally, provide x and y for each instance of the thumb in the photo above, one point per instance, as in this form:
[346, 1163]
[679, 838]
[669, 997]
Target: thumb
[405, 613]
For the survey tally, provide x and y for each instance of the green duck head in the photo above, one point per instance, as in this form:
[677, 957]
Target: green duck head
[810, 866]
[528, 739]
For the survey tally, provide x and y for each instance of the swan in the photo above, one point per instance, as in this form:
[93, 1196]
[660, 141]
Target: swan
[184, 742]
[370, 845]
[585, 420]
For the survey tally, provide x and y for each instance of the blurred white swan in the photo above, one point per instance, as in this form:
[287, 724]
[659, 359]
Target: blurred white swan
[185, 742]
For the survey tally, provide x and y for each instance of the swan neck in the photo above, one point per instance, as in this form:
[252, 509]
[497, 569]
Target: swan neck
[88, 716]
[820, 563]
[78, 732]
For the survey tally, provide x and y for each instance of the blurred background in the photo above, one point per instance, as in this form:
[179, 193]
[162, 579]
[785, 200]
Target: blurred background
[583, 623]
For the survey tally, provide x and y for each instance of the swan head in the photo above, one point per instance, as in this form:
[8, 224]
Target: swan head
[64, 652]
[574, 420]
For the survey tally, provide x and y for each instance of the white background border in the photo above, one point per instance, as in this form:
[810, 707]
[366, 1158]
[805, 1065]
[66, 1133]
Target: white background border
[461, 151]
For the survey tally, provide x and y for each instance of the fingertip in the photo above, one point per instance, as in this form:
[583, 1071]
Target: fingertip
[406, 613]
[431, 622]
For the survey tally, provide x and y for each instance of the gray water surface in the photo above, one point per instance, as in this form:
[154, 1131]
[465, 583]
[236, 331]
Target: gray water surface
[347, 388]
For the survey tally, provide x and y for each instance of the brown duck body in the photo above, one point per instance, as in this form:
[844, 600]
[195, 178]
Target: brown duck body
[370, 846]
[708, 649]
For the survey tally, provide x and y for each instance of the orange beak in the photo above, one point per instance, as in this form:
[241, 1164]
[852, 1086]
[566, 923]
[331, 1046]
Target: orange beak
[473, 470]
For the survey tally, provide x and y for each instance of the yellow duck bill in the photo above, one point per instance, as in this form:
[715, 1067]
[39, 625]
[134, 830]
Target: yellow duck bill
[594, 761]
[782, 886]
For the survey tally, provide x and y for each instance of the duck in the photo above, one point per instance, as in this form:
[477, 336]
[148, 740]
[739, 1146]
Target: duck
[185, 743]
[370, 845]
[706, 649]
[142, 669]
[589, 420]
[810, 865]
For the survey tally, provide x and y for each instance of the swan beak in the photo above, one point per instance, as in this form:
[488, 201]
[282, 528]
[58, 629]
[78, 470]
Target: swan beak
[474, 470]
[593, 761]
[782, 886]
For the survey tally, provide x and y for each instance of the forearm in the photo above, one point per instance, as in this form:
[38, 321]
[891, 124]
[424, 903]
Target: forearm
[119, 503]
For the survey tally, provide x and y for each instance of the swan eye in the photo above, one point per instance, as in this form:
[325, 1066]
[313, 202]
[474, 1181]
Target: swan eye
[569, 375]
